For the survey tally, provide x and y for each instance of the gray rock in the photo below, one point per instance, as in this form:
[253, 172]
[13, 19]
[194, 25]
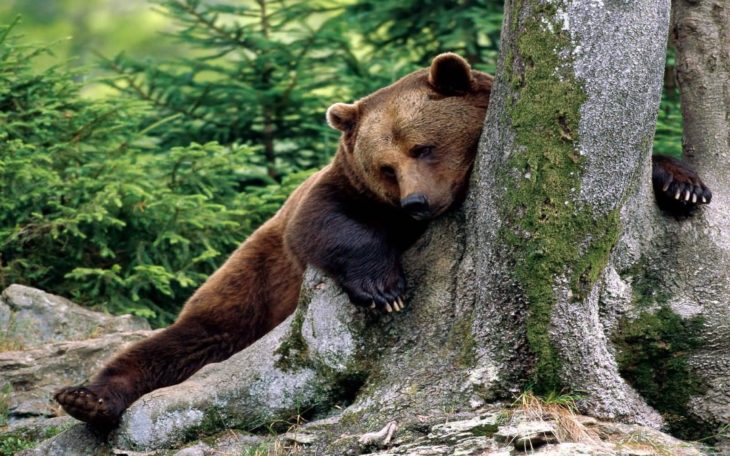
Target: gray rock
[302, 438]
[33, 375]
[527, 435]
[463, 436]
[77, 441]
[236, 442]
[484, 426]
[270, 381]
[632, 439]
[576, 449]
[39, 428]
[200, 449]
[118, 452]
[31, 318]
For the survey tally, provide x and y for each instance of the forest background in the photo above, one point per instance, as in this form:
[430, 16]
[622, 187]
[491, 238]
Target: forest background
[141, 142]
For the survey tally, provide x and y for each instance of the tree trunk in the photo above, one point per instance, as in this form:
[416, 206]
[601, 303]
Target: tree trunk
[562, 199]
[556, 275]
[697, 262]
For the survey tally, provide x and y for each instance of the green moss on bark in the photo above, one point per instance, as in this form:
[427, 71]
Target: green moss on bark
[461, 340]
[293, 351]
[653, 352]
[553, 237]
[648, 287]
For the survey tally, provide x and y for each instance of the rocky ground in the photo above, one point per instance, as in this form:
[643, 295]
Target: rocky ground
[47, 342]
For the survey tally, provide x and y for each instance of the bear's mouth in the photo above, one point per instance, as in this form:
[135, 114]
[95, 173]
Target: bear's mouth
[427, 214]
[420, 216]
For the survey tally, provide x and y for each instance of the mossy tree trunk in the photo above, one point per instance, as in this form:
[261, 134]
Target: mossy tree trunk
[556, 275]
[562, 205]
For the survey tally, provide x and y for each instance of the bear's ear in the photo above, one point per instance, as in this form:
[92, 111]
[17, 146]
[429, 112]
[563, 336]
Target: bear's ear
[342, 116]
[450, 74]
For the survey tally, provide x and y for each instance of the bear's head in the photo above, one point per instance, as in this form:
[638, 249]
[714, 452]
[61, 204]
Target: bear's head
[412, 144]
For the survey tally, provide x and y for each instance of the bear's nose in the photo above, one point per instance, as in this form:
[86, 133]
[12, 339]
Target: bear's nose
[416, 205]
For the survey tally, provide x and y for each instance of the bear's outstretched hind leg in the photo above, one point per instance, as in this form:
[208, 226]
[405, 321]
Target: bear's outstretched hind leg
[165, 359]
[677, 187]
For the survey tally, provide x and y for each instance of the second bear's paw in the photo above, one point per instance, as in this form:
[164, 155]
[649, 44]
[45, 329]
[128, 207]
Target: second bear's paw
[382, 292]
[88, 405]
[677, 187]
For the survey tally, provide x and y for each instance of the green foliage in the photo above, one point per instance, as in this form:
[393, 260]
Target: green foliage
[259, 76]
[91, 208]
[13, 444]
[128, 203]
[668, 136]
[80, 28]
[5, 392]
[394, 38]
[262, 449]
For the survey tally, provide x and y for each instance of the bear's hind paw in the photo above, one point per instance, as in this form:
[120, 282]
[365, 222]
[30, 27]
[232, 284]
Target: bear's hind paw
[86, 405]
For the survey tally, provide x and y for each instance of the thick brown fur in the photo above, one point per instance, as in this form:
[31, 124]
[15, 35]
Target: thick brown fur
[404, 157]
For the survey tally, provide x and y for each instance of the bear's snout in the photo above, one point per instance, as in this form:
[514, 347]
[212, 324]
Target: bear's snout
[416, 205]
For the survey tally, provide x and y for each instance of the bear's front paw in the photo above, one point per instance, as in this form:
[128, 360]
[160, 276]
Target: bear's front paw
[677, 187]
[90, 405]
[383, 291]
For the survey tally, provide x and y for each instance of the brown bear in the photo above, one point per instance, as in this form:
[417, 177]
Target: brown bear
[404, 157]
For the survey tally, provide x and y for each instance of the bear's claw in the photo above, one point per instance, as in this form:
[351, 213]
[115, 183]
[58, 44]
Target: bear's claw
[395, 305]
[86, 405]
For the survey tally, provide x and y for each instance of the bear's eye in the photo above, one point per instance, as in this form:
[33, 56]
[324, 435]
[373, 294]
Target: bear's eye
[422, 151]
[388, 171]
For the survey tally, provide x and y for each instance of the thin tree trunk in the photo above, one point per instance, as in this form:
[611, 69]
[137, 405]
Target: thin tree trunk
[268, 126]
[701, 32]
[697, 255]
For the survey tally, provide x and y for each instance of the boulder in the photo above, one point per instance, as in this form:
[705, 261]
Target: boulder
[47, 342]
[31, 318]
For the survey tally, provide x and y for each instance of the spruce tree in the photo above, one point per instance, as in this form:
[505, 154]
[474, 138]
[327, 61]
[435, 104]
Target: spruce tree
[93, 208]
[394, 38]
[260, 73]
